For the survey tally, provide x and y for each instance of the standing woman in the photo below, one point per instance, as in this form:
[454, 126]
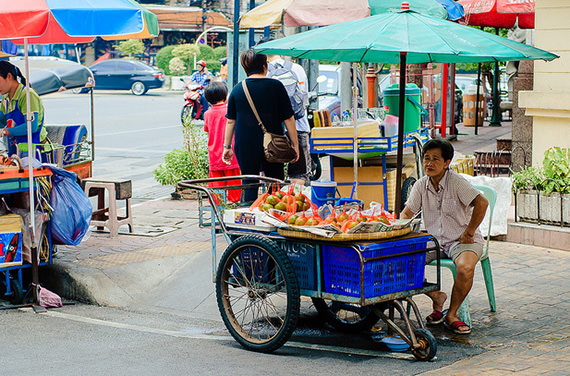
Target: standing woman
[272, 103]
[13, 110]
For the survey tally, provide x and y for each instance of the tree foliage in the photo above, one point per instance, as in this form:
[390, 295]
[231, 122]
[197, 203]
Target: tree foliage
[163, 57]
[131, 47]
[187, 52]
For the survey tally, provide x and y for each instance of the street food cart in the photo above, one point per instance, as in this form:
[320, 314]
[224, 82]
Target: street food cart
[352, 279]
[15, 254]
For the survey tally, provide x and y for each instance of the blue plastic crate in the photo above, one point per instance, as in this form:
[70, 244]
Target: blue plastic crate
[303, 259]
[253, 263]
[301, 255]
[341, 266]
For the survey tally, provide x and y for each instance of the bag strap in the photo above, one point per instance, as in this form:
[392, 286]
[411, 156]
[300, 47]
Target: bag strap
[248, 96]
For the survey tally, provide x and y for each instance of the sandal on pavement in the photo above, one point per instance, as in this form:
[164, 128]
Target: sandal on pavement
[454, 327]
[436, 317]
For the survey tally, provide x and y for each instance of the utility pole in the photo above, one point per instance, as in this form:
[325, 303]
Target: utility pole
[204, 16]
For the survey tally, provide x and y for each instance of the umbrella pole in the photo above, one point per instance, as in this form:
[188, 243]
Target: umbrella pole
[355, 129]
[496, 119]
[92, 124]
[31, 154]
[399, 158]
[477, 99]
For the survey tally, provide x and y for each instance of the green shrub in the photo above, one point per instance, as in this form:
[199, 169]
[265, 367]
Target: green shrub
[220, 52]
[527, 178]
[206, 53]
[163, 57]
[213, 65]
[187, 52]
[188, 162]
[556, 166]
[177, 66]
[553, 176]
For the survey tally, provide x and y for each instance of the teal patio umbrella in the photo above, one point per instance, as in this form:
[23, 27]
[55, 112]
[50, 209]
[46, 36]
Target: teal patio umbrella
[400, 37]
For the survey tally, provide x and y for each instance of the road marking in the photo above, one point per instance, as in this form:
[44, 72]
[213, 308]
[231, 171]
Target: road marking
[145, 151]
[185, 334]
[138, 130]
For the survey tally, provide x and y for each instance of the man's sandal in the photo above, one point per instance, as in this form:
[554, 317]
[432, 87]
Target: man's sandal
[454, 327]
[436, 317]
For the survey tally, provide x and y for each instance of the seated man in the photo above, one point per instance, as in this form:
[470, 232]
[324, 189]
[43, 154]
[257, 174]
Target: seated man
[452, 210]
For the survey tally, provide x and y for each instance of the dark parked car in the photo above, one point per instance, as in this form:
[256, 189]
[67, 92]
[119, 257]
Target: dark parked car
[121, 74]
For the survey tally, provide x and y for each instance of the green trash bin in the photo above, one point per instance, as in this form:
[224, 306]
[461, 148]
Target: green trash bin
[412, 109]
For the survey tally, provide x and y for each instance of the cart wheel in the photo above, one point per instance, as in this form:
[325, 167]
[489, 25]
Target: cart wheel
[428, 345]
[257, 293]
[17, 295]
[346, 317]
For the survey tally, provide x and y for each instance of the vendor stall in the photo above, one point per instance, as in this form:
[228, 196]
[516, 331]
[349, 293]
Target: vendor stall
[15, 232]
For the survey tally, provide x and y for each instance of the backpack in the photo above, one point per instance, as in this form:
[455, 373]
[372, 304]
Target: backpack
[299, 98]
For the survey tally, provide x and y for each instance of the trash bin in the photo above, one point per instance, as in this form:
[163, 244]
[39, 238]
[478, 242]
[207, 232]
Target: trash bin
[412, 110]
[469, 102]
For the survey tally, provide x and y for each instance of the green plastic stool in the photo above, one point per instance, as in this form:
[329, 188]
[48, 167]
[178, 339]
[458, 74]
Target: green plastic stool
[463, 312]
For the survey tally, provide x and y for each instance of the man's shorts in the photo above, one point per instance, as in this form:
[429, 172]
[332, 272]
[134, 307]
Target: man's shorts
[456, 250]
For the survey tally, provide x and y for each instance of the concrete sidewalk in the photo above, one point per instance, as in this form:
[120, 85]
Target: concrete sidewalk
[529, 333]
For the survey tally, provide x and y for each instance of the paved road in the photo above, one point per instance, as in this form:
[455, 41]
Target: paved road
[132, 134]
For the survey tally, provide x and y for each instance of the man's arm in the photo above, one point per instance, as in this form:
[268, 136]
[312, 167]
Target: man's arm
[479, 204]
[406, 213]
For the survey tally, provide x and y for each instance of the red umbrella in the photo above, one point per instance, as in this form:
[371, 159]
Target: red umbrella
[499, 13]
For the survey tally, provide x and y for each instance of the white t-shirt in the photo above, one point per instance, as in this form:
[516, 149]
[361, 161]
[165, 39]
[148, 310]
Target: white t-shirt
[301, 124]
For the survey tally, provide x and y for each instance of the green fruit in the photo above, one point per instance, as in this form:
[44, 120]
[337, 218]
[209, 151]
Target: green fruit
[301, 221]
[272, 200]
[266, 207]
[292, 219]
[306, 206]
[300, 197]
[300, 205]
[279, 195]
[312, 222]
[281, 206]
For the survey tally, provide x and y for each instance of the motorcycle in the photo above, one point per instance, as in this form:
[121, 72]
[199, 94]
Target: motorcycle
[192, 107]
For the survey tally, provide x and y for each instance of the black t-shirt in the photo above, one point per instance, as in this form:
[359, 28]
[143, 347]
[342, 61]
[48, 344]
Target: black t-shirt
[273, 106]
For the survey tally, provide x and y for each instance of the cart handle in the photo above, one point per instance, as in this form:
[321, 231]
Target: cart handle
[193, 184]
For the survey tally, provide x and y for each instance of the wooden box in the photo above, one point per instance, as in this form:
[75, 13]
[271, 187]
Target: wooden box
[365, 128]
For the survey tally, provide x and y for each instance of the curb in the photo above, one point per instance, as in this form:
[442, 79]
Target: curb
[119, 286]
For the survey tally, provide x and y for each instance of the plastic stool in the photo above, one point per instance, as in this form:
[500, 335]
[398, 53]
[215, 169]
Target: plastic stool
[107, 216]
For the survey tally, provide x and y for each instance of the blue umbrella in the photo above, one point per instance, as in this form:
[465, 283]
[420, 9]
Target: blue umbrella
[454, 9]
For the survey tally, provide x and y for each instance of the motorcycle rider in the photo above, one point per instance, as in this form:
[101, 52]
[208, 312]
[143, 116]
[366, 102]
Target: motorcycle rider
[202, 77]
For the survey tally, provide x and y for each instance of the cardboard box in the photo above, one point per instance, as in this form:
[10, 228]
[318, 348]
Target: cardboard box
[367, 174]
[246, 219]
[10, 240]
[364, 128]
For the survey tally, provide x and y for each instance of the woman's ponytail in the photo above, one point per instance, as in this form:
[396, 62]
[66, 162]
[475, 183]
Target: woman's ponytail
[19, 74]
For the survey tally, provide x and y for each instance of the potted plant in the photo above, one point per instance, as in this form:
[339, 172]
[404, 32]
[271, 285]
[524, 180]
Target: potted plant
[542, 194]
[187, 162]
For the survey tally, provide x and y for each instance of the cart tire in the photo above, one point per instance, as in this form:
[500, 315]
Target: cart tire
[428, 345]
[406, 190]
[17, 295]
[257, 293]
[346, 317]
